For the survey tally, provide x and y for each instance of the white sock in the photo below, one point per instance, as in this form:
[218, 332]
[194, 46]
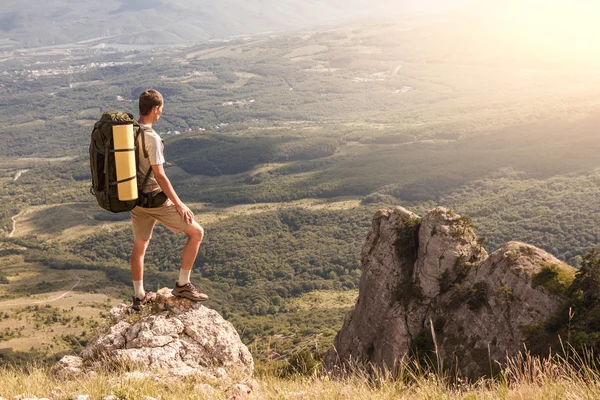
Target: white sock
[138, 287]
[184, 277]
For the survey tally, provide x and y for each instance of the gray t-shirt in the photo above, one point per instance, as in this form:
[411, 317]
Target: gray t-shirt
[155, 149]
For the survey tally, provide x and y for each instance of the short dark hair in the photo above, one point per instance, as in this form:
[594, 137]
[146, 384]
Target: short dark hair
[149, 99]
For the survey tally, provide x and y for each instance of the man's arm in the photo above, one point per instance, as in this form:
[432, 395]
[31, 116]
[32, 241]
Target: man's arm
[187, 215]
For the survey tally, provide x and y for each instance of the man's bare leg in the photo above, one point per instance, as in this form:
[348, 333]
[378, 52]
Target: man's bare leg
[183, 287]
[137, 266]
[195, 234]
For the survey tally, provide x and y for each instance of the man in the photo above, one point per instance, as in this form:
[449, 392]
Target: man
[173, 214]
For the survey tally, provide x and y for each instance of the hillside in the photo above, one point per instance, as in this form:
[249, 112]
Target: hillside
[490, 290]
[159, 22]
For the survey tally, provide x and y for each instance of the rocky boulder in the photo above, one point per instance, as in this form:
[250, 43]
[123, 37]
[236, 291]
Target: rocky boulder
[172, 335]
[429, 281]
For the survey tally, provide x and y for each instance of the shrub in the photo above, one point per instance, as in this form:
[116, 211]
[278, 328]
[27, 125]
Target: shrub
[554, 278]
[478, 296]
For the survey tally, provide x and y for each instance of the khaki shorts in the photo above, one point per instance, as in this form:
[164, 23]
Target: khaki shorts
[144, 219]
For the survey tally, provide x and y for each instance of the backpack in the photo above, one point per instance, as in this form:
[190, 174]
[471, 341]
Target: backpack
[102, 161]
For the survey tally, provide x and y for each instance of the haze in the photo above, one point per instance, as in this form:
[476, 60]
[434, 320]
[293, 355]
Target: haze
[25, 23]
[560, 32]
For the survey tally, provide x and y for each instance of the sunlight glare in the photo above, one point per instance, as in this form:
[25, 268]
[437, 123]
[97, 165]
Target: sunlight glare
[553, 29]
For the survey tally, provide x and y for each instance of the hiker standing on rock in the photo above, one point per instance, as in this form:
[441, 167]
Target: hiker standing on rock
[159, 202]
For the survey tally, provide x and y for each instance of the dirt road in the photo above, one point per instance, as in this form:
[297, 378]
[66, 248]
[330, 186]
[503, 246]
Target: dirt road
[28, 303]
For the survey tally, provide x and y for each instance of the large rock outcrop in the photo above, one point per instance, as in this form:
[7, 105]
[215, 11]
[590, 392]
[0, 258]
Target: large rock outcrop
[434, 271]
[173, 336]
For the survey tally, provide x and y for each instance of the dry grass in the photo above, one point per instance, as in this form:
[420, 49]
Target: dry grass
[309, 50]
[209, 215]
[32, 285]
[23, 278]
[326, 299]
[244, 77]
[73, 221]
[524, 377]
[38, 332]
[63, 222]
[14, 163]
[29, 125]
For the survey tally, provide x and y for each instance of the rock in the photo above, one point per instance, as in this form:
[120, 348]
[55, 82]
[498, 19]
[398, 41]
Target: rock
[115, 339]
[118, 312]
[57, 393]
[434, 271]
[240, 391]
[253, 384]
[67, 367]
[205, 390]
[81, 397]
[248, 389]
[166, 301]
[173, 335]
[110, 397]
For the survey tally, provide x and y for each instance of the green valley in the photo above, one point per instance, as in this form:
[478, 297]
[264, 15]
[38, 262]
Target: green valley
[285, 146]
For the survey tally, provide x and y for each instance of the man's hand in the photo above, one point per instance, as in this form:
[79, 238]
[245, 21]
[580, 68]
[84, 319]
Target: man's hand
[187, 216]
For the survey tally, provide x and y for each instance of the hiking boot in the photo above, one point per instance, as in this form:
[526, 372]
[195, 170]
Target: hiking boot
[189, 292]
[137, 304]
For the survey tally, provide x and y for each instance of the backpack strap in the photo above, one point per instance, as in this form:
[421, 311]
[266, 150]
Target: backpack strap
[106, 163]
[147, 177]
[142, 132]
[122, 180]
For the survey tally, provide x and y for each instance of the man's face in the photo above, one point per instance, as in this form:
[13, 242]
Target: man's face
[157, 111]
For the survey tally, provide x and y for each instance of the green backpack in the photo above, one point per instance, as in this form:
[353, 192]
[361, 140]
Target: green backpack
[102, 161]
